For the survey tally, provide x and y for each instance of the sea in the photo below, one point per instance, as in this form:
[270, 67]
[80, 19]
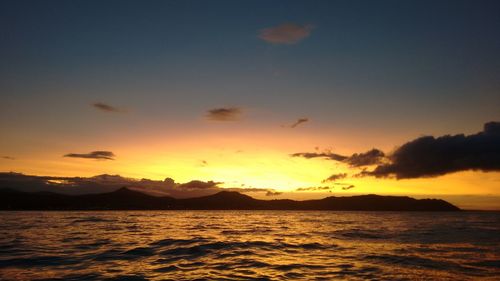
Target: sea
[249, 245]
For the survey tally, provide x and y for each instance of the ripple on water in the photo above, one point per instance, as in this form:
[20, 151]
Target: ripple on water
[253, 245]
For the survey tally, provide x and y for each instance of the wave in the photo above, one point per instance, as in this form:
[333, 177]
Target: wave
[91, 219]
[248, 246]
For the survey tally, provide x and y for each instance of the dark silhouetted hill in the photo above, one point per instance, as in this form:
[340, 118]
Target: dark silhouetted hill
[126, 199]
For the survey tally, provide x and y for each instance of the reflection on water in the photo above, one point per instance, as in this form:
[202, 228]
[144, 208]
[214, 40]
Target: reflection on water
[250, 245]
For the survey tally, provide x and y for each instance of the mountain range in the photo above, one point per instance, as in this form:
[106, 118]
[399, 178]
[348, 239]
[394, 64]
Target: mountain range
[127, 199]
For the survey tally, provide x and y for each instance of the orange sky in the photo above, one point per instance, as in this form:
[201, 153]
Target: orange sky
[177, 91]
[247, 158]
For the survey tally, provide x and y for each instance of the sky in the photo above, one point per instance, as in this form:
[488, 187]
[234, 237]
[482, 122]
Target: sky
[305, 99]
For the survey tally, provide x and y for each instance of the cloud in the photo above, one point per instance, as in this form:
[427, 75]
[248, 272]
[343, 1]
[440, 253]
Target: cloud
[286, 33]
[268, 191]
[224, 114]
[98, 155]
[108, 183]
[348, 187]
[299, 121]
[335, 177]
[196, 184]
[344, 186]
[273, 193]
[371, 157]
[328, 155]
[106, 107]
[8, 158]
[315, 188]
[430, 157]
[427, 156]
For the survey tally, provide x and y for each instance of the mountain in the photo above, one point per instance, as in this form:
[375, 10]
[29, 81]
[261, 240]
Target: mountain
[126, 199]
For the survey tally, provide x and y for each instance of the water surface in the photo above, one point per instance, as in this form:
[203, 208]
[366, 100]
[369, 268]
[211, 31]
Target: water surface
[249, 245]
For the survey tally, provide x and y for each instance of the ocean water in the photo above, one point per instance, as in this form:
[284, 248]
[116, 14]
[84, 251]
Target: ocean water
[249, 245]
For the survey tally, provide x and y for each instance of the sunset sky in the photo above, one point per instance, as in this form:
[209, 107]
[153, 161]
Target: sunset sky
[271, 95]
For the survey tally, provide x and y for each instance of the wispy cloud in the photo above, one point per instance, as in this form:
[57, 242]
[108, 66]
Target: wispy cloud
[224, 114]
[343, 186]
[371, 157]
[335, 177]
[286, 33]
[107, 108]
[299, 121]
[351, 186]
[8, 158]
[328, 155]
[315, 188]
[98, 155]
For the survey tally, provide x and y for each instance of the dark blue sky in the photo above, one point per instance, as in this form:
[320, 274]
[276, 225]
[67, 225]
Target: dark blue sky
[431, 60]
[429, 54]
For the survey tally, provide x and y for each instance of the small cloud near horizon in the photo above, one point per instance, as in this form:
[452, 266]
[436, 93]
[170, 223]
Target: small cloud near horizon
[224, 114]
[315, 188]
[97, 155]
[107, 108]
[286, 33]
[8, 157]
[348, 187]
[335, 177]
[108, 183]
[273, 193]
[197, 184]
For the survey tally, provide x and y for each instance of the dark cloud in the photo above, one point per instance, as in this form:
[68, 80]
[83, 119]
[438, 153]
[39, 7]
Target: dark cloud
[328, 155]
[335, 177]
[371, 157]
[430, 157]
[315, 188]
[8, 158]
[287, 33]
[348, 187]
[106, 107]
[196, 184]
[65, 185]
[224, 114]
[344, 186]
[107, 183]
[98, 155]
[268, 191]
[299, 121]
[273, 193]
